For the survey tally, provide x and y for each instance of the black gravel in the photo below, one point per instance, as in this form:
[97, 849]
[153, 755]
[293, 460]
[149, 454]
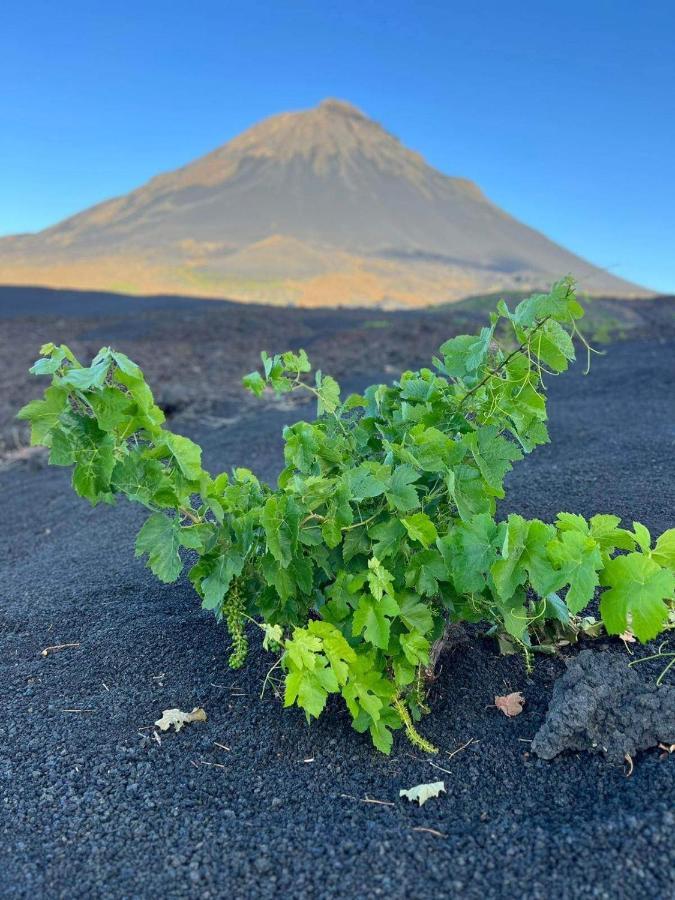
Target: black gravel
[93, 806]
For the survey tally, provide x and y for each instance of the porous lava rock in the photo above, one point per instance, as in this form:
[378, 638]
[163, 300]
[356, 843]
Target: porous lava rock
[601, 705]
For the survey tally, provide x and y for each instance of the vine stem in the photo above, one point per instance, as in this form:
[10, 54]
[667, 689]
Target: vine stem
[494, 372]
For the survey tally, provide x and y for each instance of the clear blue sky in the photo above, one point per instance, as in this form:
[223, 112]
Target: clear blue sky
[563, 112]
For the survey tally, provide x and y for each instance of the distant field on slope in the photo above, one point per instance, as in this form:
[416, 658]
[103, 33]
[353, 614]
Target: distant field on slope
[195, 351]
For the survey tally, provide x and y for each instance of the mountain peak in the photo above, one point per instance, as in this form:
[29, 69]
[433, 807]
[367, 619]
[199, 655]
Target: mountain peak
[342, 107]
[319, 206]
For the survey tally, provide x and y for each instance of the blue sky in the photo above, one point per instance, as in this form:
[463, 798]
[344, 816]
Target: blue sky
[563, 112]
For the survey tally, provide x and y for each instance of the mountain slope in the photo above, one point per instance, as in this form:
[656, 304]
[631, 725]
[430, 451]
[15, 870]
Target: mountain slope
[316, 207]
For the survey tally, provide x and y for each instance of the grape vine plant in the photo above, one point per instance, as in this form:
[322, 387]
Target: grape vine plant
[381, 531]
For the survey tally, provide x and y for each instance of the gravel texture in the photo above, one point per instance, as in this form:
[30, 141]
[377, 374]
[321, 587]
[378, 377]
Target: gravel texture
[254, 803]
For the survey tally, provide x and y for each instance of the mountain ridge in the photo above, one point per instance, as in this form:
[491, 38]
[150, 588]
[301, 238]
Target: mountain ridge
[317, 207]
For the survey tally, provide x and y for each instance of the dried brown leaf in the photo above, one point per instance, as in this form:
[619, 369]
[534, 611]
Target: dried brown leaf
[510, 704]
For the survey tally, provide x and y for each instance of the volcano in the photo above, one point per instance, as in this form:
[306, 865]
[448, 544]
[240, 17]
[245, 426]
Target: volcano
[322, 207]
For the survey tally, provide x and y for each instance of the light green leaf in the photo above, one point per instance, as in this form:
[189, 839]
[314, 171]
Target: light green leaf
[386, 537]
[337, 651]
[43, 414]
[187, 454]
[468, 491]
[420, 528]
[367, 480]
[281, 529]
[301, 446]
[255, 383]
[578, 559]
[159, 538]
[553, 345]
[637, 595]
[380, 580]
[642, 537]
[86, 379]
[415, 648]
[216, 583]
[509, 572]
[493, 455]
[415, 614]
[372, 618]
[381, 736]
[424, 571]
[664, 551]
[470, 549]
[328, 394]
[400, 492]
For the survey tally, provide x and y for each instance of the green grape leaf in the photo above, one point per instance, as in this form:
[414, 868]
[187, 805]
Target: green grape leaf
[372, 618]
[367, 480]
[297, 363]
[416, 615]
[400, 491]
[218, 577]
[664, 551]
[464, 354]
[355, 542]
[424, 571]
[386, 537]
[255, 383]
[187, 454]
[53, 362]
[159, 538]
[138, 478]
[515, 617]
[642, 537]
[302, 648]
[420, 528]
[607, 534]
[328, 391]
[86, 379]
[301, 446]
[381, 736]
[307, 689]
[578, 559]
[281, 529]
[331, 533]
[367, 690]
[638, 589]
[553, 346]
[81, 443]
[468, 491]
[508, 572]
[44, 414]
[493, 455]
[337, 651]
[470, 549]
[415, 648]
[127, 366]
[380, 580]
[543, 575]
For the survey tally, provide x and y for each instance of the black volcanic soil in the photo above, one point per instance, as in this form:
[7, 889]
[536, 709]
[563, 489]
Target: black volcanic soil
[92, 806]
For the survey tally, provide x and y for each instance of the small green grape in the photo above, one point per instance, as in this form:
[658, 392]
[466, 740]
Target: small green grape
[234, 612]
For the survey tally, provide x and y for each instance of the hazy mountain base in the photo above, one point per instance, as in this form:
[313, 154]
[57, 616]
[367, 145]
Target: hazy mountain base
[277, 271]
